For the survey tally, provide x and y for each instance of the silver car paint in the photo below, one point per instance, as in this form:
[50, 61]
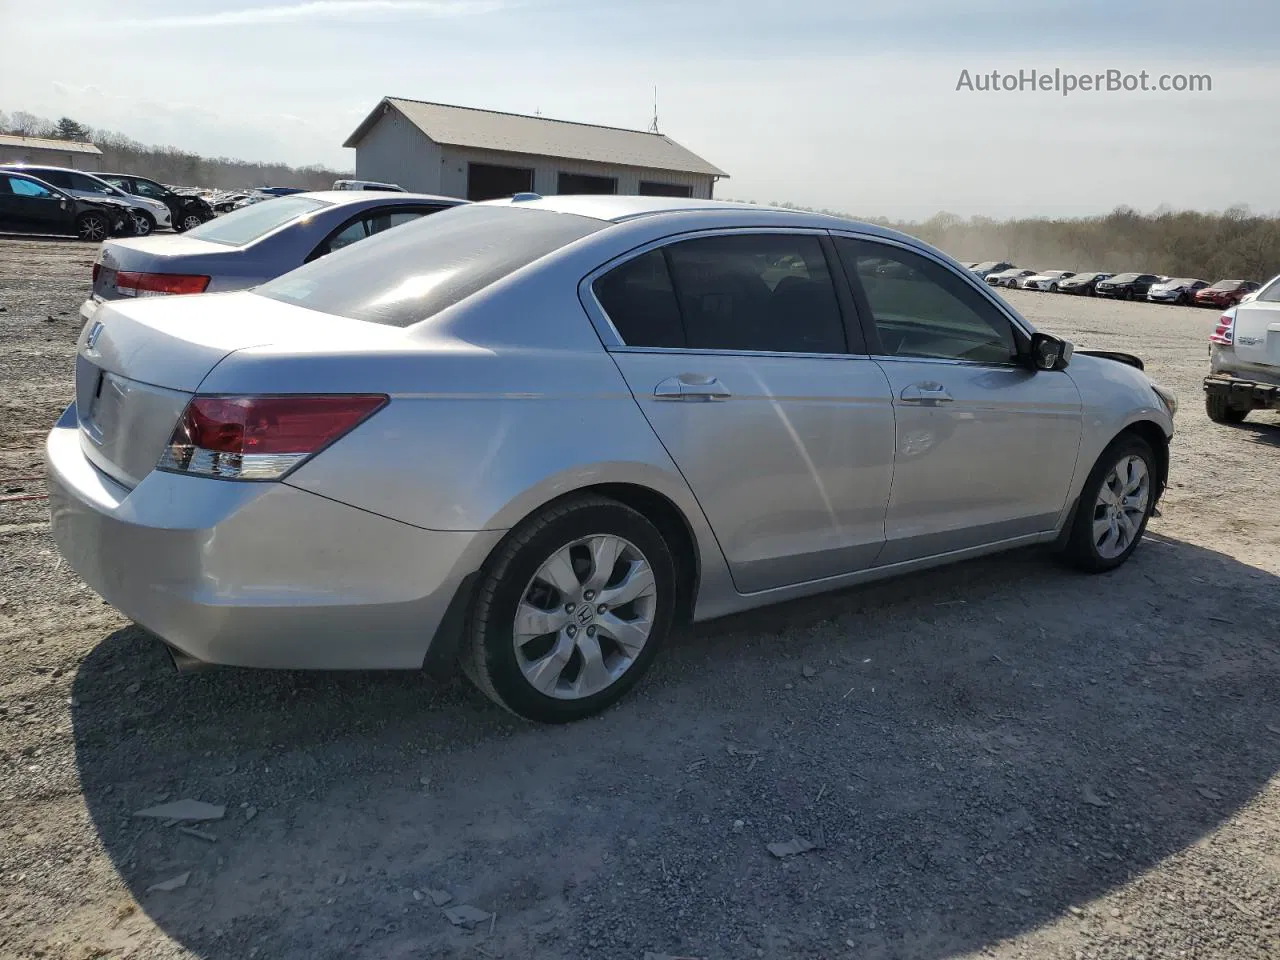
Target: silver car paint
[275, 253]
[507, 401]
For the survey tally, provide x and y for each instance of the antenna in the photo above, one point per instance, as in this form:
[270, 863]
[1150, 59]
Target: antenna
[653, 127]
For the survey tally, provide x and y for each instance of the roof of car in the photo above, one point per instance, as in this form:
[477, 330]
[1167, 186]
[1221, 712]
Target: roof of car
[617, 208]
[390, 196]
[45, 166]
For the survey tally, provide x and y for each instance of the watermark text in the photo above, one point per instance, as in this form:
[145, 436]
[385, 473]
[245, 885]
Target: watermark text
[1066, 83]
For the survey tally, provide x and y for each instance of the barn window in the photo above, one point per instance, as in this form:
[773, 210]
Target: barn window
[489, 181]
[652, 188]
[584, 183]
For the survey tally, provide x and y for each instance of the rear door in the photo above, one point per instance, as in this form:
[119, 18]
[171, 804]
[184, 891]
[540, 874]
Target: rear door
[736, 347]
[985, 447]
[1257, 331]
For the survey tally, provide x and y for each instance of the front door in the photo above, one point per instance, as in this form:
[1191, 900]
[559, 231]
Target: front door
[985, 447]
[33, 208]
[736, 351]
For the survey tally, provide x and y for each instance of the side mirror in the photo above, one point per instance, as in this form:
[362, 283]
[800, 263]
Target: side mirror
[1050, 353]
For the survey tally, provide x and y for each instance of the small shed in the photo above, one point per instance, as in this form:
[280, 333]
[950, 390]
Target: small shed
[75, 154]
[483, 154]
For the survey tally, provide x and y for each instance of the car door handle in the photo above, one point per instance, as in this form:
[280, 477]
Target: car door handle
[927, 392]
[691, 387]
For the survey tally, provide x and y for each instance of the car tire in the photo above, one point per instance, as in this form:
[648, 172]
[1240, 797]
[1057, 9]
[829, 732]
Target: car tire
[188, 221]
[1053, 288]
[1114, 507]
[1220, 410]
[578, 667]
[92, 227]
[143, 224]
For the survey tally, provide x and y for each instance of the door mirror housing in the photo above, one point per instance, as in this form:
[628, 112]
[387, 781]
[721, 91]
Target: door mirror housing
[1049, 353]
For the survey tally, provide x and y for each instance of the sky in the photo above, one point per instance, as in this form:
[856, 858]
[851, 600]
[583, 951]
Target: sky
[840, 104]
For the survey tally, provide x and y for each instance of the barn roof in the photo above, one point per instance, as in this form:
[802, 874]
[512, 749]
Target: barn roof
[539, 136]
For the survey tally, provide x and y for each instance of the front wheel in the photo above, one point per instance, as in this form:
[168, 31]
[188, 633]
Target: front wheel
[189, 221]
[1053, 288]
[571, 610]
[143, 224]
[1220, 410]
[1114, 506]
[92, 227]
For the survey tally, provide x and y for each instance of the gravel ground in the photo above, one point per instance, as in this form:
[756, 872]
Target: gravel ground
[1002, 759]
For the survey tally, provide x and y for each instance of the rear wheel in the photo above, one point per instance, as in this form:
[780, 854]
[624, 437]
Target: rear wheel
[1220, 409]
[1115, 505]
[571, 610]
[92, 227]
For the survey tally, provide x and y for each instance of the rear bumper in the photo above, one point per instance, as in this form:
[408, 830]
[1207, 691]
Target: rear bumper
[256, 574]
[1256, 394]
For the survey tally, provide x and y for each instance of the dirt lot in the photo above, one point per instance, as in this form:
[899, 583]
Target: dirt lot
[1003, 759]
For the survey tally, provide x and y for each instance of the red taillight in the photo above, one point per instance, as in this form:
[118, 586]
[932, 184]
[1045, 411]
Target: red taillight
[1225, 332]
[153, 284]
[261, 438]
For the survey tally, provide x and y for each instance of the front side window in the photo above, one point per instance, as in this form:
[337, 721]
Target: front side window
[148, 189]
[922, 309]
[90, 185]
[27, 188]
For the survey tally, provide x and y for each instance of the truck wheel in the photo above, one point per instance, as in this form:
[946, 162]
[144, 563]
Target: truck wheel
[1220, 410]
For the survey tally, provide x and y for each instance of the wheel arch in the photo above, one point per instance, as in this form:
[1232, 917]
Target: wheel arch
[1151, 432]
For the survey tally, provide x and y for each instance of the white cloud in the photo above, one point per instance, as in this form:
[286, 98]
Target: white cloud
[312, 10]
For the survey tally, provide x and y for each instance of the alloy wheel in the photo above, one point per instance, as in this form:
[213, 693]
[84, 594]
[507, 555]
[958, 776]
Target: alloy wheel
[585, 617]
[1122, 505]
[92, 228]
[191, 221]
[141, 226]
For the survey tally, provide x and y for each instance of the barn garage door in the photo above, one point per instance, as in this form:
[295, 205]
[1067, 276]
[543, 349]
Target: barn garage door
[488, 181]
[584, 183]
[652, 188]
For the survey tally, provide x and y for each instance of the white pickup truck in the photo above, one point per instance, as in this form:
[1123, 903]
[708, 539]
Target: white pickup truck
[1244, 358]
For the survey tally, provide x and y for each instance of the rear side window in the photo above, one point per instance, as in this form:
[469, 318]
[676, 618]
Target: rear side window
[399, 277]
[767, 293]
[641, 302]
[243, 226]
[59, 178]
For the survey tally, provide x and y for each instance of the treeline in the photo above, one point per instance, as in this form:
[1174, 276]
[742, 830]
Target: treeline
[1233, 244]
[170, 164]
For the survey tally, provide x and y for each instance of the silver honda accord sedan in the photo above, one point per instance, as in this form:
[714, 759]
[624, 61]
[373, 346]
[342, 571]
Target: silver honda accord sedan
[528, 436]
[251, 245]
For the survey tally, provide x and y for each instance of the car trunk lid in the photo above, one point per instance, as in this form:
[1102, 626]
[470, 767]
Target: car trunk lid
[166, 254]
[139, 362]
[1257, 332]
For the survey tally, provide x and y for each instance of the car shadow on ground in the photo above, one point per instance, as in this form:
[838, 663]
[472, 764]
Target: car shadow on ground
[973, 751]
[1261, 432]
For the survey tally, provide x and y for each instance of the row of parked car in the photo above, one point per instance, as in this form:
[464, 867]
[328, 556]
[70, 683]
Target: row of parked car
[92, 206]
[1185, 291]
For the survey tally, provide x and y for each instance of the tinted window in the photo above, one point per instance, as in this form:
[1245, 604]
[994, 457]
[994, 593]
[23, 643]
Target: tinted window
[239, 227]
[760, 292]
[641, 302]
[89, 184]
[146, 188]
[59, 178]
[402, 276]
[374, 222]
[1124, 278]
[921, 309]
[25, 188]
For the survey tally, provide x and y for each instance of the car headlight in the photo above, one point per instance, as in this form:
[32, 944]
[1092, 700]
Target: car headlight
[1167, 397]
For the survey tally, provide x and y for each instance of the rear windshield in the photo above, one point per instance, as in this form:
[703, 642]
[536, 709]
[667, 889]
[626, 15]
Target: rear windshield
[243, 226]
[404, 275]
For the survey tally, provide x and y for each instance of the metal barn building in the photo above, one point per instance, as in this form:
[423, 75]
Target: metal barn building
[50, 153]
[482, 154]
